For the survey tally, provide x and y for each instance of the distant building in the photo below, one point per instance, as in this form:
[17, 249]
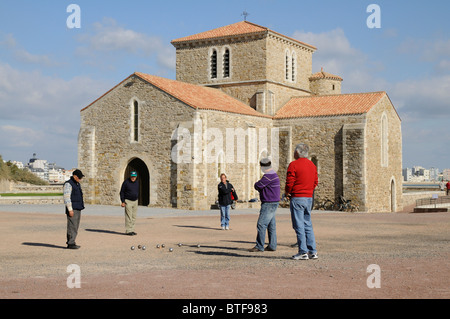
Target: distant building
[434, 174]
[446, 174]
[18, 164]
[407, 174]
[49, 172]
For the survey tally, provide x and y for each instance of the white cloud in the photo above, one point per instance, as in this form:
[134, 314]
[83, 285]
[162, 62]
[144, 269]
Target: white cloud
[30, 95]
[424, 98]
[24, 56]
[39, 112]
[109, 37]
[336, 55]
[19, 136]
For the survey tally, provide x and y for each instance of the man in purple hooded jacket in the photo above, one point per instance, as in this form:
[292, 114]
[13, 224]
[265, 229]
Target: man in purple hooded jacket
[269, 192]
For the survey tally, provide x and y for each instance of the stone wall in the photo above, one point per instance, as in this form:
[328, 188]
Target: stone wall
[277, 49]
[104, 156]
[353, 161]
[411, 198]
[326, 139]
[325, 86]
[381, 175]
[246, 58]
[235, 145]
[32, 200]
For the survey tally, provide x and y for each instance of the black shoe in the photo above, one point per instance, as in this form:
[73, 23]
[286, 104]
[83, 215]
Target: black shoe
[269, 249]
[73, 246]
[254, 249]
[131, 233]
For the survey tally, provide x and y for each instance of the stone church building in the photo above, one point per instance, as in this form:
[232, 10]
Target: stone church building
[242, 92]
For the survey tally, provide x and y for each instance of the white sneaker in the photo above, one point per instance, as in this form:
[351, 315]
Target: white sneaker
[300, 257]
[313, 256]
[223, 227]
[227, 227]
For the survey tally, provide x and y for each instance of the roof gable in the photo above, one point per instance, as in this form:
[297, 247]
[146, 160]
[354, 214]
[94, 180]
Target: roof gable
[195, 96]
[200, 97]
[329, 105]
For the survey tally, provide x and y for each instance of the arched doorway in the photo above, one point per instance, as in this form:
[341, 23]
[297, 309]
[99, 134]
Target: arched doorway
[143, 177]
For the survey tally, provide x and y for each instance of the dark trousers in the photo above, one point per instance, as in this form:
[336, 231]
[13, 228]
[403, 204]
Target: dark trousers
[72, 226]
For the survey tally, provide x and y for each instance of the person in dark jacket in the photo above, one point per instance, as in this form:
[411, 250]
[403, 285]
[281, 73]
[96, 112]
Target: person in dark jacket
[129, 195]
[74, 203]
[269, 193]
[225, 189]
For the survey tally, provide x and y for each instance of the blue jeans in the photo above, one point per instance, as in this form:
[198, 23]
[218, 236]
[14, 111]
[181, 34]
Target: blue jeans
[224, 215]
[266, 220]
[301, 222]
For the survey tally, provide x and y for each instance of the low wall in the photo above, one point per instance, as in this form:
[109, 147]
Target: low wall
[17, 200]
[410, 198]
[17, 188]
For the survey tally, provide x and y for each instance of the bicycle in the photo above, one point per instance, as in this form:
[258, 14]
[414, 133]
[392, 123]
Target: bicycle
[346, 205]
[326, 204]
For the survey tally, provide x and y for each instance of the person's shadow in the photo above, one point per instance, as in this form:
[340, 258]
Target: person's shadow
[105, 231]
[43, 245]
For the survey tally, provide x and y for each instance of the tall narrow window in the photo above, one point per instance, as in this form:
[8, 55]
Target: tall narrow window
[214, 65]
[287, 66]
[384, 141]
[226, 64]
[294, 62]
[135, 121]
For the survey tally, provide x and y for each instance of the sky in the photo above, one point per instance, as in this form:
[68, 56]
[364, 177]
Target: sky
[54, 61]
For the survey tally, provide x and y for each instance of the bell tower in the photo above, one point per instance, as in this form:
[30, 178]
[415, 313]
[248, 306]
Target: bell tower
[254, 64]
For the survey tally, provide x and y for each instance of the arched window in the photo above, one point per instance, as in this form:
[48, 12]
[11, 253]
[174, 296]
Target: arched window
[294, 67]
[135, 121]
[214, 64]
[287, 64]
[226, 64]
[384, 141]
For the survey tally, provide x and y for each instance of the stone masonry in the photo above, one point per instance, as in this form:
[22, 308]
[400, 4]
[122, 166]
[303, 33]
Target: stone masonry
[189, 135]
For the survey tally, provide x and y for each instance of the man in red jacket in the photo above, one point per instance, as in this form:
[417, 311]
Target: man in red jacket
[301, 179]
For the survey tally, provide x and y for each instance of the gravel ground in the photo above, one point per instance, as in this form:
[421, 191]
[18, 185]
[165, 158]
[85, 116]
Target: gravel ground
[411, 250]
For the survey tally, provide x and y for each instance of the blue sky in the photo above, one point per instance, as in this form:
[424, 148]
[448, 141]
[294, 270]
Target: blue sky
[49, 72]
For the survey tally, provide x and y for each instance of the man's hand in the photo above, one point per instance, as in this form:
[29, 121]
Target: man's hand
[123, 205]
[70, 213]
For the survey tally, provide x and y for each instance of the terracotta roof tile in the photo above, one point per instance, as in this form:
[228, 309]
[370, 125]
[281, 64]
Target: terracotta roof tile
[329, 105]
[200, 97]
[243, 27]
[324, 75]
[239, 28]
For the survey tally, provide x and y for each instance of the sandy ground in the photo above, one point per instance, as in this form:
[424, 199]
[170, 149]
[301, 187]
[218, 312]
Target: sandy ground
[412, 251]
